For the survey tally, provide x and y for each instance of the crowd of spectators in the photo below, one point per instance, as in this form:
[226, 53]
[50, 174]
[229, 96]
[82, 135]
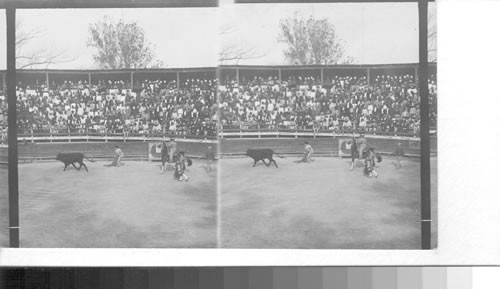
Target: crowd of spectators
[389, 105]
[115, 107]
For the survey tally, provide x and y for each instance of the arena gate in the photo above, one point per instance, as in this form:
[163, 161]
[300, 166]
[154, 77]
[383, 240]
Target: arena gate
[345, 147]
[154, 149]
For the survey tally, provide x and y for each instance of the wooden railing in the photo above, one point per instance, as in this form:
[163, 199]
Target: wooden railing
[100, 136]
[267, 132]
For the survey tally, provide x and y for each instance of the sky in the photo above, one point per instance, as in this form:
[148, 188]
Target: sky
[372, 33]
[189, 37]
[183, 37]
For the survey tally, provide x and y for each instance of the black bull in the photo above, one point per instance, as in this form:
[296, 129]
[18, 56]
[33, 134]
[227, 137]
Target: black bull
[262, 154]
[71, 159]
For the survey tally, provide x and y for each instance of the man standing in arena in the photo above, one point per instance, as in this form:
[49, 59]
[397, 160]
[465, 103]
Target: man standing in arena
[354, 152]
[180, 168]
[172, 149]
[164, 156]
[370, 164]
[308, 152]
[118, 156]
[399, 153]
[210, 158]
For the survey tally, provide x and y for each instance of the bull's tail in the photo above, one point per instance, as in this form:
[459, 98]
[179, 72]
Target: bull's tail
[89, 159]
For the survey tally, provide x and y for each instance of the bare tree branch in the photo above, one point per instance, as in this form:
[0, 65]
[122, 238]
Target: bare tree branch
[233, 53]
[432, 37]
[45, 60]
[35, 58]
[226, 29]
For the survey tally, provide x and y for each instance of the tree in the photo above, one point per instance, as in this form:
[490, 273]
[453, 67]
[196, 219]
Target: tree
[29, 57]
[121, 45]
[311, 41]
[233, 53]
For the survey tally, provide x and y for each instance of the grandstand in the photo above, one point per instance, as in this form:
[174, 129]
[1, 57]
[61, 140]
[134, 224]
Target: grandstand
[182, 102]
[75, 103]
[323, 99]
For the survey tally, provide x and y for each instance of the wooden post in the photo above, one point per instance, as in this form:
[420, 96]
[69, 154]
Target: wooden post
[368, 76]
[47, 80]
[12, 124]
[322, 76]
[90, 79]
[178, 80]
[425, 165]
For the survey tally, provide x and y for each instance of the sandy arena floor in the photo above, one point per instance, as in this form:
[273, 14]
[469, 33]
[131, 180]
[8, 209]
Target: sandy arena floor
[318, 205]
[321, 205]
[130, 206]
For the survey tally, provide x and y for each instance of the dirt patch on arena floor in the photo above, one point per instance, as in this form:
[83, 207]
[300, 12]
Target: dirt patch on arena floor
[322, 205]
[131, 206]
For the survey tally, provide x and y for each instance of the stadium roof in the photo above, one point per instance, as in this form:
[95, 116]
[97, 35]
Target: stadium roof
[327, 66]
[35, 4]
[223, 67]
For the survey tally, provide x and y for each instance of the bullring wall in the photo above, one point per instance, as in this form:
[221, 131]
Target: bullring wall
[322, 146]
[326, 146]
[132, 150]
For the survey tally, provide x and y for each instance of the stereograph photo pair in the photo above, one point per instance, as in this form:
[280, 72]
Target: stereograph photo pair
[298, 128]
